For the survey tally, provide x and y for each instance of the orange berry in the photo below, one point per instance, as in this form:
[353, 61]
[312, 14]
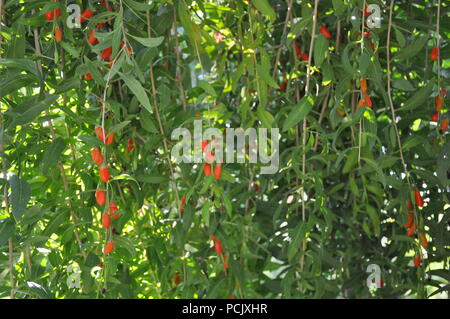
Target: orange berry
[110, 139]
[439, 101]
[106, 53]
[434, 54]
[363, 85]
[217, 171]
[58, 35]
[367, 100]
[104, 174]
[411, 230]
[418, 198]
[106, 220]
[207, 169]
[218, 246]
[176, 278]
[86, 15]
[444, 126]
[100, 133]
[109, 247]
[100, 197]
[410, 221]
[325, 32]
[417, 261]
[424, 240]
[92, 39]
[183, 201]
[49, 15]
[112, 208]
[97, 156]
[435, 117]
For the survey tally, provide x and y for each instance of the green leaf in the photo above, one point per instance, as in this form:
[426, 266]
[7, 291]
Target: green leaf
[27, 113]
[419, 97]
[149, 42]
[403, 84]
[263, 73]
[138, 6]
[137, 90]
[207, 87]
[320, 50]
[412, 49]
[20, 195]
[298, 112]
[71, 50]
[264, 7]
[119, 127]
[52, 154]
[265, 117]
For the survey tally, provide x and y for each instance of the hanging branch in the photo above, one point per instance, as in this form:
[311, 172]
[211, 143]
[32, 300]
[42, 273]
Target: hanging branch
[305, 127]
[73, 215]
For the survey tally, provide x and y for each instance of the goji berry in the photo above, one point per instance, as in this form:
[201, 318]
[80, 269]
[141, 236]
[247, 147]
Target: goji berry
[58, 35]
[434, 54]
[423, 239]
[325, 32]
[104, 174]
[97, 156]
[106, 220]
[217, 171]
[110, 139]
[100, 197]
[207, 169]
[106, 53]
[418, 198]
[444, 126]
[86, 15]
[109, 247]
[92, 39]
[417, 261]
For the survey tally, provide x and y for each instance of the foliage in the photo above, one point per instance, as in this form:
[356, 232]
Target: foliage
[234, 64]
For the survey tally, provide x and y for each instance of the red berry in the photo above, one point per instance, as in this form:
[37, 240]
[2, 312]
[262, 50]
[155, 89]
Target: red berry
[435, 117]
[100, 197]
[58, 13]
[218, 246]
[424, 240]
[410, 221]
[97, 156]
[110, 139]
[104, 174]
[106, 220]
[112, 208]
[217, 171]
[88, 76]
[283, 86]
[417, 261]
[418, 198]
[106, 53]
[86, 15]
[444, 126]
[92, 39]
[176, 279]
[50, 15]
[207, 169]
[183, 201]
[325, 32]
[100, 133]
[411, 230]
[434, 54]
[109, 247]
